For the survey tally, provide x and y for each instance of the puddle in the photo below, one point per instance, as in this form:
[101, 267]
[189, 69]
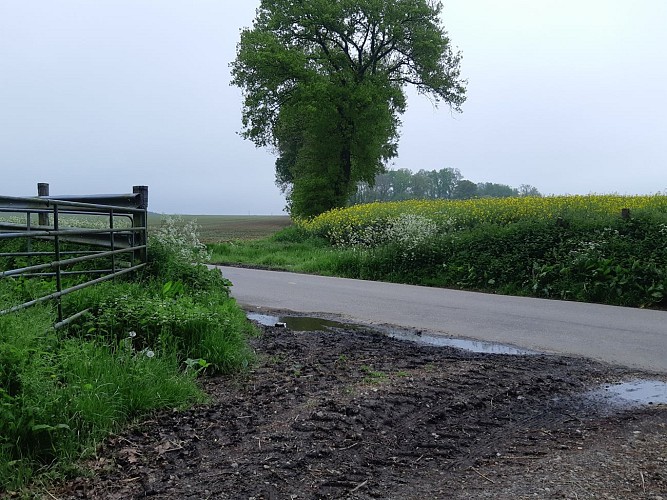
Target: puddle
[635, 393]
[296, 323]
[310, 324]
[468, 345]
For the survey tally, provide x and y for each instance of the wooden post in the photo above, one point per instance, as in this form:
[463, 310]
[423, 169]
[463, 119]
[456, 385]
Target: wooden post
[43, 190]
[141, 220]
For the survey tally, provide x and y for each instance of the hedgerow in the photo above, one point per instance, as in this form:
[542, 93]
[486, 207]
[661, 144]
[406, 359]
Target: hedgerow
[566, 247]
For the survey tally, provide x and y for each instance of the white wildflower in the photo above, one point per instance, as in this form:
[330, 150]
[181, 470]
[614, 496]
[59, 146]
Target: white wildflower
[183, 237]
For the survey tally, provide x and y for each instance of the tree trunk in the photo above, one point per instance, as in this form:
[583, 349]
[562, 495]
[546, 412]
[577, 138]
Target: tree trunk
[342, 188]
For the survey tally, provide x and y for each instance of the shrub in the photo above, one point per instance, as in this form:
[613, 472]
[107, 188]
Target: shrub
[181, 237]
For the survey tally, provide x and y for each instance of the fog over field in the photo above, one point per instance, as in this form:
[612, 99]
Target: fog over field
[98, 96]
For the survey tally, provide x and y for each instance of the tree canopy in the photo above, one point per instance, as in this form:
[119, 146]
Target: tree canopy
[444, 184]
[324, 85]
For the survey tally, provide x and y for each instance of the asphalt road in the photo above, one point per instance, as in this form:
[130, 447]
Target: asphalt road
[635, 338]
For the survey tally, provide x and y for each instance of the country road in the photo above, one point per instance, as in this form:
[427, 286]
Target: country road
[635, 338]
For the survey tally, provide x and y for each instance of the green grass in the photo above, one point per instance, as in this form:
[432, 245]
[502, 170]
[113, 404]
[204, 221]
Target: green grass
[290, 249]
[306, 257]
[139, 348]
[60, 395]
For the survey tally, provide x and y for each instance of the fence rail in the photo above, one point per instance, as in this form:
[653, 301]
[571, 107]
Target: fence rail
[104, 243]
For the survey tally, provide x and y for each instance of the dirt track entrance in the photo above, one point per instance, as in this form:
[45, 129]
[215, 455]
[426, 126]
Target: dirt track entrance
[355, 414]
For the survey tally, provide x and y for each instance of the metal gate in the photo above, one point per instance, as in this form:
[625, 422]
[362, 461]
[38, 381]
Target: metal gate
[118, 240]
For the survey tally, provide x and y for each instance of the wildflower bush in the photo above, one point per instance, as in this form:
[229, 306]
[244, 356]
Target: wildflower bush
[565, 247]
[181, 237]
[409, 232]
[139, 348]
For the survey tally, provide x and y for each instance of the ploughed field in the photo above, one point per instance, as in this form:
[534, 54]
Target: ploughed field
[217, 228]
[352, 413]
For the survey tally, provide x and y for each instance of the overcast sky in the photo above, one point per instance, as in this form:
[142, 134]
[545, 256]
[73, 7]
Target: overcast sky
[99, 95]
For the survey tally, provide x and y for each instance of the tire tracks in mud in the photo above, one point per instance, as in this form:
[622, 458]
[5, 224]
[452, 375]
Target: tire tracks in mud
[352, 414]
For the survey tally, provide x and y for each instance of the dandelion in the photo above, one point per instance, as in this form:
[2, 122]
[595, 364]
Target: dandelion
[132, 334]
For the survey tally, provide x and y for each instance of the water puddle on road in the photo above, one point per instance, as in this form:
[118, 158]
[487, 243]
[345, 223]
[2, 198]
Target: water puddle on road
[296, 323]
[310, 324]
[631, 394]
[634, 393]
[465, 344]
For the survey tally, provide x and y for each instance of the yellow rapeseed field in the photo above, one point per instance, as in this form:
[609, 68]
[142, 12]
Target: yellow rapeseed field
[457, 214]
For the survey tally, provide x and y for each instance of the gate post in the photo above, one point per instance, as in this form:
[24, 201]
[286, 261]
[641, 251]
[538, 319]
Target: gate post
[43, 190]
[141, 220]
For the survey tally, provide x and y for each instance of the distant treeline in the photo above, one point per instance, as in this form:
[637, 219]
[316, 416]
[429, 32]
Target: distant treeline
[448, 183]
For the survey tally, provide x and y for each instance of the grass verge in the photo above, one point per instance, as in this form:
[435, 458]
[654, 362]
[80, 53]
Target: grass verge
[290, 249]
[140, 348]
[583, 254]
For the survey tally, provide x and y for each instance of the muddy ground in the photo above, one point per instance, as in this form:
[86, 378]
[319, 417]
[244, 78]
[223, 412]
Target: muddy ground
[355, 414]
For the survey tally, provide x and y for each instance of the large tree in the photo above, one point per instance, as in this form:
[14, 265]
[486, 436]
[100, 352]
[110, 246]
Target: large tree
[324, 86]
